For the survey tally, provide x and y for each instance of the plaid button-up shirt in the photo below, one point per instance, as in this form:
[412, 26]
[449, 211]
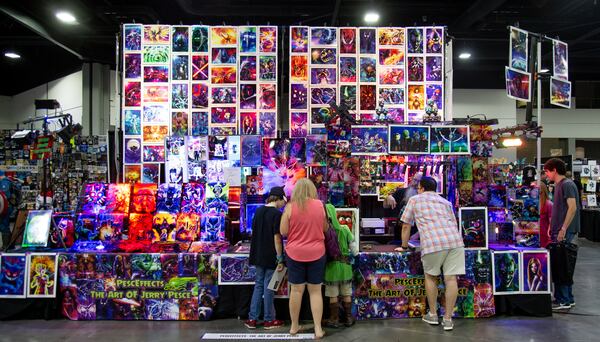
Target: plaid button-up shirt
[435, 220]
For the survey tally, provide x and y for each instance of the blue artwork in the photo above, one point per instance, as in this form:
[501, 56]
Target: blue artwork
[250, 211]
[12, 275]
[251, 150]
[248, 39]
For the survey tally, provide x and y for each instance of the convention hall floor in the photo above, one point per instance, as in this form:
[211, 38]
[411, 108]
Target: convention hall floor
[579, 324]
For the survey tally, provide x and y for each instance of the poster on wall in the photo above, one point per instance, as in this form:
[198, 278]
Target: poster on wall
[536, 271]
[518, 84]
[474, 227]
[506, 269]
[560, 59]
[560, 92]
[519, 40]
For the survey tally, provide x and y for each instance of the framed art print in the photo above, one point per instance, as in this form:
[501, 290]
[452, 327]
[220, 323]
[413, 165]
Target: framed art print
[536, 271]
[506, 270]
[408, 139]
[473, 226]
[13, 274]
[42, 275]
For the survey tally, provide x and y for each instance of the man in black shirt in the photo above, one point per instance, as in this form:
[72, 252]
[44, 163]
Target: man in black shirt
[266, 254]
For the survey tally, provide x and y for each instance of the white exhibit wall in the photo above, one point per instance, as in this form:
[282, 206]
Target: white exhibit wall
[567, 123]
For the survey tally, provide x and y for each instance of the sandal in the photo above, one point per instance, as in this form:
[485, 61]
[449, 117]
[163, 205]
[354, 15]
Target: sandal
[300, 329]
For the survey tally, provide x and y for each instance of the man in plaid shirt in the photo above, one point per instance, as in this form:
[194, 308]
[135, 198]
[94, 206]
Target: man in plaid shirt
[441, 243]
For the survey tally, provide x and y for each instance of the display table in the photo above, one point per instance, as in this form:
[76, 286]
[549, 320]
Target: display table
[590, 224]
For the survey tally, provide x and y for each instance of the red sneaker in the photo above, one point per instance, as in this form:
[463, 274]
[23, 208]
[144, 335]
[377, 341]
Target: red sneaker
[274, 324]
[250, 324]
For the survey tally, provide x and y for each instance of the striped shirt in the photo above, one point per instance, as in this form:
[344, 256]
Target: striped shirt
[435, 220]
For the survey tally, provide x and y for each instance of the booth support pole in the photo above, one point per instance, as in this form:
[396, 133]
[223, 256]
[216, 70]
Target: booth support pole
[539, 111]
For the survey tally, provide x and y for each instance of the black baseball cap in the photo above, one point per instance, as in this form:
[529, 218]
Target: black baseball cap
[277, 191]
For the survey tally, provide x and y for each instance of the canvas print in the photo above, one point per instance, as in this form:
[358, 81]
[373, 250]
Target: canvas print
[199, 39]
[133, 122]
[199, 67]
[168, 198]
[267, 96]
[415, 40]
[180, 67]
[391, 76]
[368, 97]
[248, 123]
[267, 124]
[251, 149]
[368, 69]
[450, 140]
[298, 96]
[519, 40]
[267, 70]
[434, 99]
[144, 198]
[408, 139]
[560, 92]
[323, 36]
[389, 56]
[316, 150]
[193, 198]
[212, 227]
[518, 84]
[42, 275]
[64, 233]
[299, 39]
[434, 40]
[200, 95]
[506, 268]
[154, 54]
[415, 69]
[433, 69]
[180, 37]
[133, 150]
[223, 35]
[223, 75]
[348, 40]
[132, 94]
[474, 227]
[298, 124]
[323, 56]
[348, 69]
[247, 68]
[156, 34]
[153, 154]
[155, 133]
[367, 40]
[179, 96]
[234, 269]
[323, 76]
[416, 97]
[117, 198]
[391, 97]
[163, 227]
[323, 96]
[132, 37]
[37, 228]
[133, 65]
[224, 56]
[247, 39]
[13, 272]
[110, 226]
[367, 140]
[560, 60]
[298, 68]
[536, 271]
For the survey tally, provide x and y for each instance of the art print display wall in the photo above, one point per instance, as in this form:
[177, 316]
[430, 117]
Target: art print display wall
[399, 68]
[194, 80]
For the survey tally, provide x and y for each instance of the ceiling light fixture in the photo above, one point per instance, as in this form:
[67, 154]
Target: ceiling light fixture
[371, 17]
[66, 17]
[464, 55]
[12, 55]
[544, 70]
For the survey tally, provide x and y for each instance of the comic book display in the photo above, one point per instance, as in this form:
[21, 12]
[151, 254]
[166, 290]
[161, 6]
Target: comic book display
[194, 81]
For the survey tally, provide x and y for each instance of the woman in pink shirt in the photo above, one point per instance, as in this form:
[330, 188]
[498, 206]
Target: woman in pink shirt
[545, 215]
[303, 222]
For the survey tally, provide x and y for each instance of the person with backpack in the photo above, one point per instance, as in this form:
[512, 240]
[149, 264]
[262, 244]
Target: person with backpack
[338, 271]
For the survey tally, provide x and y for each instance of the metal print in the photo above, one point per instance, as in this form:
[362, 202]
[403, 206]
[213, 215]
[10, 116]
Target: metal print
[506, 269]
[560, 92]
[560, 59]
[518, 84]
[368, 140]
[408, 139]
[474, 227]
[536, 271]
[450, 140]
[519, 40]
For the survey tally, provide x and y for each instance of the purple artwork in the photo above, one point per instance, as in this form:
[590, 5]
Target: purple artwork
[433, 68]
[248, 68]
[298, 124]
[267, 124]
[132, 39]
[322, 96]
[199, 95]
[434, 94]
[133, 150]
[235, 270]
[133, 65]
[435, 40]
[248, 96]
[322, 76]
[299, 96]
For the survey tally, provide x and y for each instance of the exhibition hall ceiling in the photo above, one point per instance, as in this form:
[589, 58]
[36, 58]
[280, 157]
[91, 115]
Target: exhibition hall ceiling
[50, 49]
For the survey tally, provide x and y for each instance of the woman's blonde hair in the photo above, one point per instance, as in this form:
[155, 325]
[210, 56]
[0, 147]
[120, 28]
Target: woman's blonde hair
[303, 190]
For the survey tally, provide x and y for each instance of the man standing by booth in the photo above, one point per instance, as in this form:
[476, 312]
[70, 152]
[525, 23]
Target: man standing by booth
[441, 243]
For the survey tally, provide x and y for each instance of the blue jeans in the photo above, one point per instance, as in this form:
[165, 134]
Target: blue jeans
[563, 294]
[262, 295]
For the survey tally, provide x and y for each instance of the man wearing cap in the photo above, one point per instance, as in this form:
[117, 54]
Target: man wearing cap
[266, 254]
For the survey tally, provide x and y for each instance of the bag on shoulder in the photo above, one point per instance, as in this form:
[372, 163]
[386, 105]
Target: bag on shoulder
[332, 248]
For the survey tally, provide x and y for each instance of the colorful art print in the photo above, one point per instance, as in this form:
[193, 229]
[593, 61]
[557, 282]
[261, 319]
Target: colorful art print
[268, 39]
[133, 65]
[323, 96]
[323, 56]
[368, 69]
[391, 36]
[140, 227]
[153, 54]
[155, 113]
[156, 93]
[247, 39]
[348, 69]
[155, 133]
[133, 150]
[391, 76]
[133, 94]
[199, 123]
[223, 35]
[408, 139]
[223, 75]
[464, 169]
[64, 233]
[518, 48]
[234, 149]
[223, 130]
[223, 115]
[518, 84]
[180, 68]
[368, 97]
[481, 132]
[506, 268]
[367, 40]
[434, 40]
[530, 210]
[497, 196]
[168, 198]
[144, 198]
[42, 275]
[298, 96]
[248, 124]
[156, 74]
[323, 36]
[132, 37]
[251, 150]
[536, 271]
[153, 154]
[560, 60]
[217, 147]
[146, 266]
[132, 173]
[560, 92]
[179, 96]
[435, 98]
[163, 227]
[267, 96]
[247, 68]
[482, 148]
[465, 193]
[250, 211]
[415, 116]
[150, 173]
[497, 215]
[117, 198]
[348, 96]
[416, 97]
[267, 124]
[199, 68]
[199, 95]
[393, 171]
[13, 272]
[391, 56]
[299, 39]
[197, 148]
[133, 122]
[213, 226]
[348, 40]
[415, 40]
[180, 37]
[480, 193]
[505, 234]
[316, 150]
[254, 185]
[196, 171]
[323, 76]
[110, 226]
[187, 227]
[450, 140]
[473, 226]
[224, 56]
[433, 69]
[298, 124]
[480, 169]
[267, 68]
[193, 198]
[223, 95]
[156, 34]
[415, 67]
[235, 269]
[515, 208]
[298, 68]
[199, 39]
[37, 228]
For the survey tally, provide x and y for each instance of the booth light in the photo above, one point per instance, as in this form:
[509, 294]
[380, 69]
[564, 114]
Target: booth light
[12, 55]
[512, 142]
[66, 17]
[464, 55]
[371, 17]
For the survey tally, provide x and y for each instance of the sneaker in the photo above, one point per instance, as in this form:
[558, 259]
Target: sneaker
[274, 324]
[561, 306]
[572, 304]
[448, 325]
[250, 324]
[431, 319]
